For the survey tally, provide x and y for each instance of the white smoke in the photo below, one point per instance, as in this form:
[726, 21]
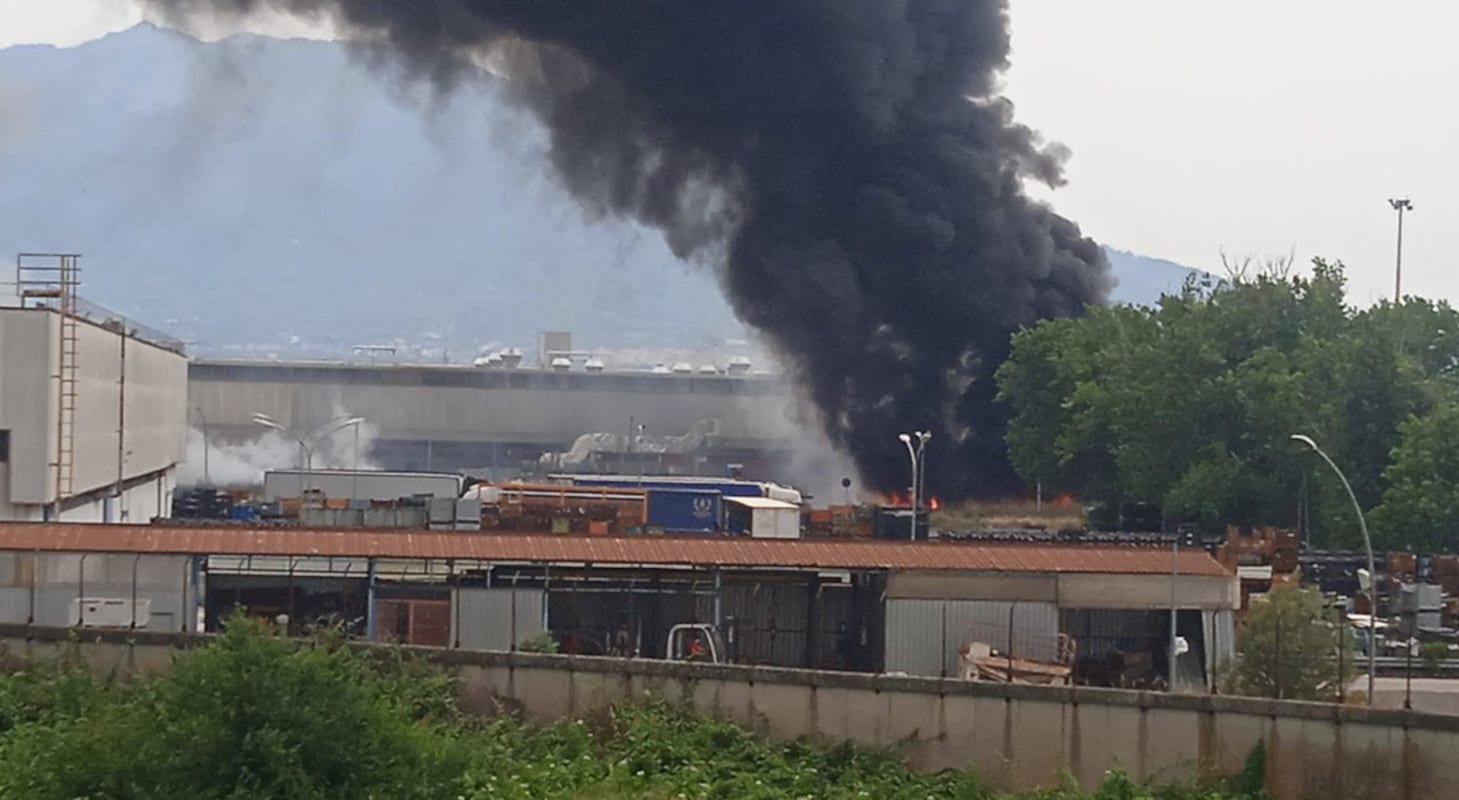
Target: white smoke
[816, 467]
[211, 461]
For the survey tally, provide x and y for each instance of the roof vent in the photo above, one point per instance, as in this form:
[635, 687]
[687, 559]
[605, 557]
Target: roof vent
[561, 364]
[594, 364]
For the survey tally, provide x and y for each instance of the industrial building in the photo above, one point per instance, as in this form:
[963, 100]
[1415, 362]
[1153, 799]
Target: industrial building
[92, 406]
[509, 418]
[907, 607]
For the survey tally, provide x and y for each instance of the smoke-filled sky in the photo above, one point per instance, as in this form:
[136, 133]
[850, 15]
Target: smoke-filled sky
[1250, 125]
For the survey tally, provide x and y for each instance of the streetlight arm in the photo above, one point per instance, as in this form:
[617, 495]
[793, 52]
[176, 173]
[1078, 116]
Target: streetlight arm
[911, 454]
[270, 422]
[1347, 487]
[341, 426]
[1367, 545]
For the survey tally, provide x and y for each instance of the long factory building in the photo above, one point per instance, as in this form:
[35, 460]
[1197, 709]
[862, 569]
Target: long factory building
[875, 606]
[496, 421]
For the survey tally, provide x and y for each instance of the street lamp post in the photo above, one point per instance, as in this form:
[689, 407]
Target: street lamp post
[1368, 546]
[309, 441]
[1400, 204]
[917, 454]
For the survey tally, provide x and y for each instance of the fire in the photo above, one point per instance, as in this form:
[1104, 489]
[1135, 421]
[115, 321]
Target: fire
[904, 500]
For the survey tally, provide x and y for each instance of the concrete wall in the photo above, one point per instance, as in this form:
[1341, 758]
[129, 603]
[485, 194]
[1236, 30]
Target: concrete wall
[1013, 736]
[153, 411]
[140, 501]
[27, 401]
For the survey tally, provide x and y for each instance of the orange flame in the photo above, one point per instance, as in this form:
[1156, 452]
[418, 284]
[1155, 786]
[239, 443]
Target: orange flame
[904, 500]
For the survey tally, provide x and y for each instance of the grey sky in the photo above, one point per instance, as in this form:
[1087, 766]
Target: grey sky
[1257, 127]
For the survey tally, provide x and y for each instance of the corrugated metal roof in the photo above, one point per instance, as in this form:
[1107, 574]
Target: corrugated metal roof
[642, 550]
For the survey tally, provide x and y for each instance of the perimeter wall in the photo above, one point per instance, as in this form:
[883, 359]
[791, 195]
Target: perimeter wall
[1013, 736]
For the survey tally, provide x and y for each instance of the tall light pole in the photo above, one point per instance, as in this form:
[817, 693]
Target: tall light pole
[1368, 546]
[916, 452]
[308, 441]
[1400, 204]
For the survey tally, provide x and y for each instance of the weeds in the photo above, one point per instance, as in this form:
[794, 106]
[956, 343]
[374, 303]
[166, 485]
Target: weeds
[254, 716]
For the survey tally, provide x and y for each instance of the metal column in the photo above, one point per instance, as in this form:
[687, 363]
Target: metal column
[195, 600]
[370, 600]
[718, 600]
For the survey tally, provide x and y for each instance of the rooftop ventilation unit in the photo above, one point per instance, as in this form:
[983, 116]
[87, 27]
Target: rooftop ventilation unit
[593, 365]
[561, 364]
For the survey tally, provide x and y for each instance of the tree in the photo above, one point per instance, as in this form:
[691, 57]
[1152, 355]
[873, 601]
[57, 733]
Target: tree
[251, 715]
[1190, 405]
[1420, 509]
[1288, 647]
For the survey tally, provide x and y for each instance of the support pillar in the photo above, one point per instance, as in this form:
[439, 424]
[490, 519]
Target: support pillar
[370, 620]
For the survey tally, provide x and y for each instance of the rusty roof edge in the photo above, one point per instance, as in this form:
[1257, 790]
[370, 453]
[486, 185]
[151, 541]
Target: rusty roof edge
[171, 539]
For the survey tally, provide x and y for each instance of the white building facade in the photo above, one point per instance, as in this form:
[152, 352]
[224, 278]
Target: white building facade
[93, 417]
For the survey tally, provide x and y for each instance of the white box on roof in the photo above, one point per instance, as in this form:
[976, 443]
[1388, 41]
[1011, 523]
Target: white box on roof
[770, 519]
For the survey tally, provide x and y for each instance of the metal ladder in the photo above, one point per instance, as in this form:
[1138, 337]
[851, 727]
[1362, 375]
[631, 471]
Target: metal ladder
[49, 280]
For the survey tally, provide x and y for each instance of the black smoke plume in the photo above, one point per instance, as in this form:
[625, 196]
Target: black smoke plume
[846, 166]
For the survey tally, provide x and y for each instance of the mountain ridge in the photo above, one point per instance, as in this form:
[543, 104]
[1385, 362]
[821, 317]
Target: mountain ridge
[261, 196]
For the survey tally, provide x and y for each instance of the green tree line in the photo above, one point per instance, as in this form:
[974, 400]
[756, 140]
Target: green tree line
[1190, 405]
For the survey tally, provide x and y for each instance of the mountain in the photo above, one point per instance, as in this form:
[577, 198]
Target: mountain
[1142, 280]
[269, 196]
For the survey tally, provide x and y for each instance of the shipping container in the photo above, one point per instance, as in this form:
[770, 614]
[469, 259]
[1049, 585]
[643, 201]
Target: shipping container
[762, 518]
[370, 484]
[684, 511]
[896, 523]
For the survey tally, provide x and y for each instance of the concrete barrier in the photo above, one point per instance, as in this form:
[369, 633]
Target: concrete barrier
[1015, 737]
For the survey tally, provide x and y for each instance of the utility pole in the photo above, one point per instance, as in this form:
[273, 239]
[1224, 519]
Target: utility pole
[1174, 606]
[1400, 205]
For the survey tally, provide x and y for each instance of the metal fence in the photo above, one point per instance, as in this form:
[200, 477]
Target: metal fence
[924, 637]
